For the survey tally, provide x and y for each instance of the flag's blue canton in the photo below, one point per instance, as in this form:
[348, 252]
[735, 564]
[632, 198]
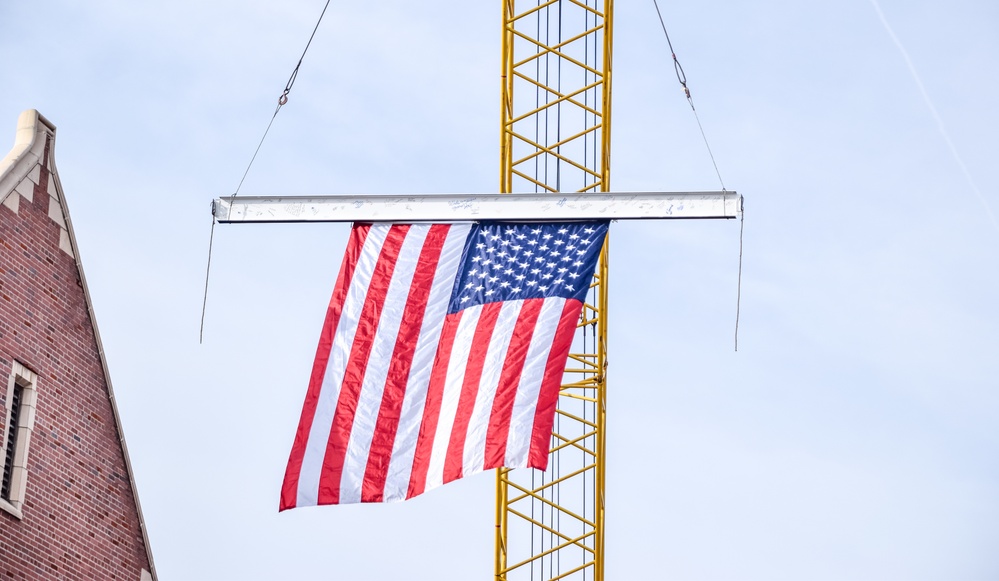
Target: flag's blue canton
[503, 262]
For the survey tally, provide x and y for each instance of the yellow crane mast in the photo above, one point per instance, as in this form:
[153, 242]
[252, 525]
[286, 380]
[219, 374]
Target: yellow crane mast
[555, 137]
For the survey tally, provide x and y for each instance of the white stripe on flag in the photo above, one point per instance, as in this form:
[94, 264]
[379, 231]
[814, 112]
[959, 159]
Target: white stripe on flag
[525, 404]
[411, 416]
[382, 347]
[453, 382]
[474, 454]
[315, 447]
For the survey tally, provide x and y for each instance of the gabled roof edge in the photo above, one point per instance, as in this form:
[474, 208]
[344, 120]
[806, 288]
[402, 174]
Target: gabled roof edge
[13, 168]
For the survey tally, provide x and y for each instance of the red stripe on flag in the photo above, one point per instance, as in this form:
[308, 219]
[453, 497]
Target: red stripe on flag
[289, 489]
[506, 392]
[454, 458]
[544, 416]
[353, 376]
[380, 453]
[432, 410]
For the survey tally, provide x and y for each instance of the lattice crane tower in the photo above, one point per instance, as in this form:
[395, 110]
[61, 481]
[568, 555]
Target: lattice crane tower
[555, 137]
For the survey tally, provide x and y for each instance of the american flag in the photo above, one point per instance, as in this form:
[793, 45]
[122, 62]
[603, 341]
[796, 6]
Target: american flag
[441, 357]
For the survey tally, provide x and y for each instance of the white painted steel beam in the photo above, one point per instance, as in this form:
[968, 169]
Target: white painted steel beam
[471, 207]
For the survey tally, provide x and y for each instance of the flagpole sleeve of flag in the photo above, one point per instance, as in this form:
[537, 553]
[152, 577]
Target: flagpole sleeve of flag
[441, 356]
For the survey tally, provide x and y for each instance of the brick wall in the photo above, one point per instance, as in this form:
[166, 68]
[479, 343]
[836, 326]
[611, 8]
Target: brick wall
[79, 518]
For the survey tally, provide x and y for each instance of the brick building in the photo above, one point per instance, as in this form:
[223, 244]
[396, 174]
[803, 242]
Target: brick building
[68, 504]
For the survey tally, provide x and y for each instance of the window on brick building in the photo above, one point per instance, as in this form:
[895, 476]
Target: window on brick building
[20, 415]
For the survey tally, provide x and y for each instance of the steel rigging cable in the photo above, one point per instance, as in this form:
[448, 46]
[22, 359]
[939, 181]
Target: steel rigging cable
[282, 100]
[284, 96]
[682, 78]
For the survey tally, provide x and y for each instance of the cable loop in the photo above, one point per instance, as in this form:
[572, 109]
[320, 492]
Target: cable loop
[294, 73]
[680, 75]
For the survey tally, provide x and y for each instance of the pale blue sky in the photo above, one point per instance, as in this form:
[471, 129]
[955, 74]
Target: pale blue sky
[852, 436]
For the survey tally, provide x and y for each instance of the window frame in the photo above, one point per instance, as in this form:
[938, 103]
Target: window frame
[27, 380]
